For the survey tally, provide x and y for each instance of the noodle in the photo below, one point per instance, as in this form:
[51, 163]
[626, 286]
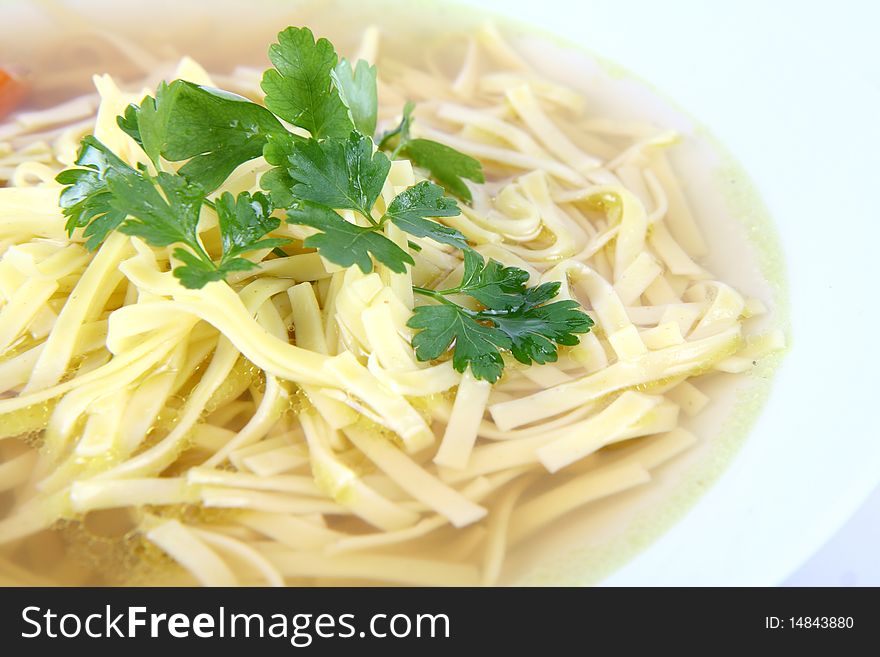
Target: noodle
[279, 426]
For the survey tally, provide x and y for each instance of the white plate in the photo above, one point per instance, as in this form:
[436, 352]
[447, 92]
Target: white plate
[793, 90]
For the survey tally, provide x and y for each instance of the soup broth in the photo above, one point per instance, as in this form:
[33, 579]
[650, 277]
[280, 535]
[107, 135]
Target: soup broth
[266, 512]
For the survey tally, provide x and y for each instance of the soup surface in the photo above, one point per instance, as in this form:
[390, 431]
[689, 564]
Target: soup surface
[283, 425]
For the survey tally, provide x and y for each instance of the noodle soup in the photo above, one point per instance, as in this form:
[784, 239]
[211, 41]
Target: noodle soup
[287, 421]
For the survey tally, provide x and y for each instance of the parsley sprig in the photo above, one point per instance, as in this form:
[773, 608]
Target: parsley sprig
[509, 316]
[244, 220]
[446, 165]
[194, 137]
[213, 130]
[107, 194]
[346, 174]
[300, 88]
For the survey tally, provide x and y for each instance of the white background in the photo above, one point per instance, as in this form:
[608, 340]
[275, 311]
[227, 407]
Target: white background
[850, 558]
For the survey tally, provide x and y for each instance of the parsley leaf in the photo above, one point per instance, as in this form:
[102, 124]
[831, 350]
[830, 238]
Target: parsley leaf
[345, 243]
[492, 284]
[243, 221]
[476, 345]
[357, 88]
[107, 194]
[128, 123]
[446, 165]
[337, 173]
[195, 272]
[409, 208]
[277, 181]
[400, 132]
[319, 177]
[514, 317]
[86, 199]
[213, 129]
[533, 329]
[299, 89]
[160, 219]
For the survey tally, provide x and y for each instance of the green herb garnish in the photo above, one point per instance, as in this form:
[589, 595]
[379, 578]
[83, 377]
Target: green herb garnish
[87, 201]
[409, 209]
[244, 221]
[337, 167]
[357, 88]
[446, 165]
[300, 88]
[345, 243]
[107, 194]
[511, 317]
[346, 174]
[214, 130]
